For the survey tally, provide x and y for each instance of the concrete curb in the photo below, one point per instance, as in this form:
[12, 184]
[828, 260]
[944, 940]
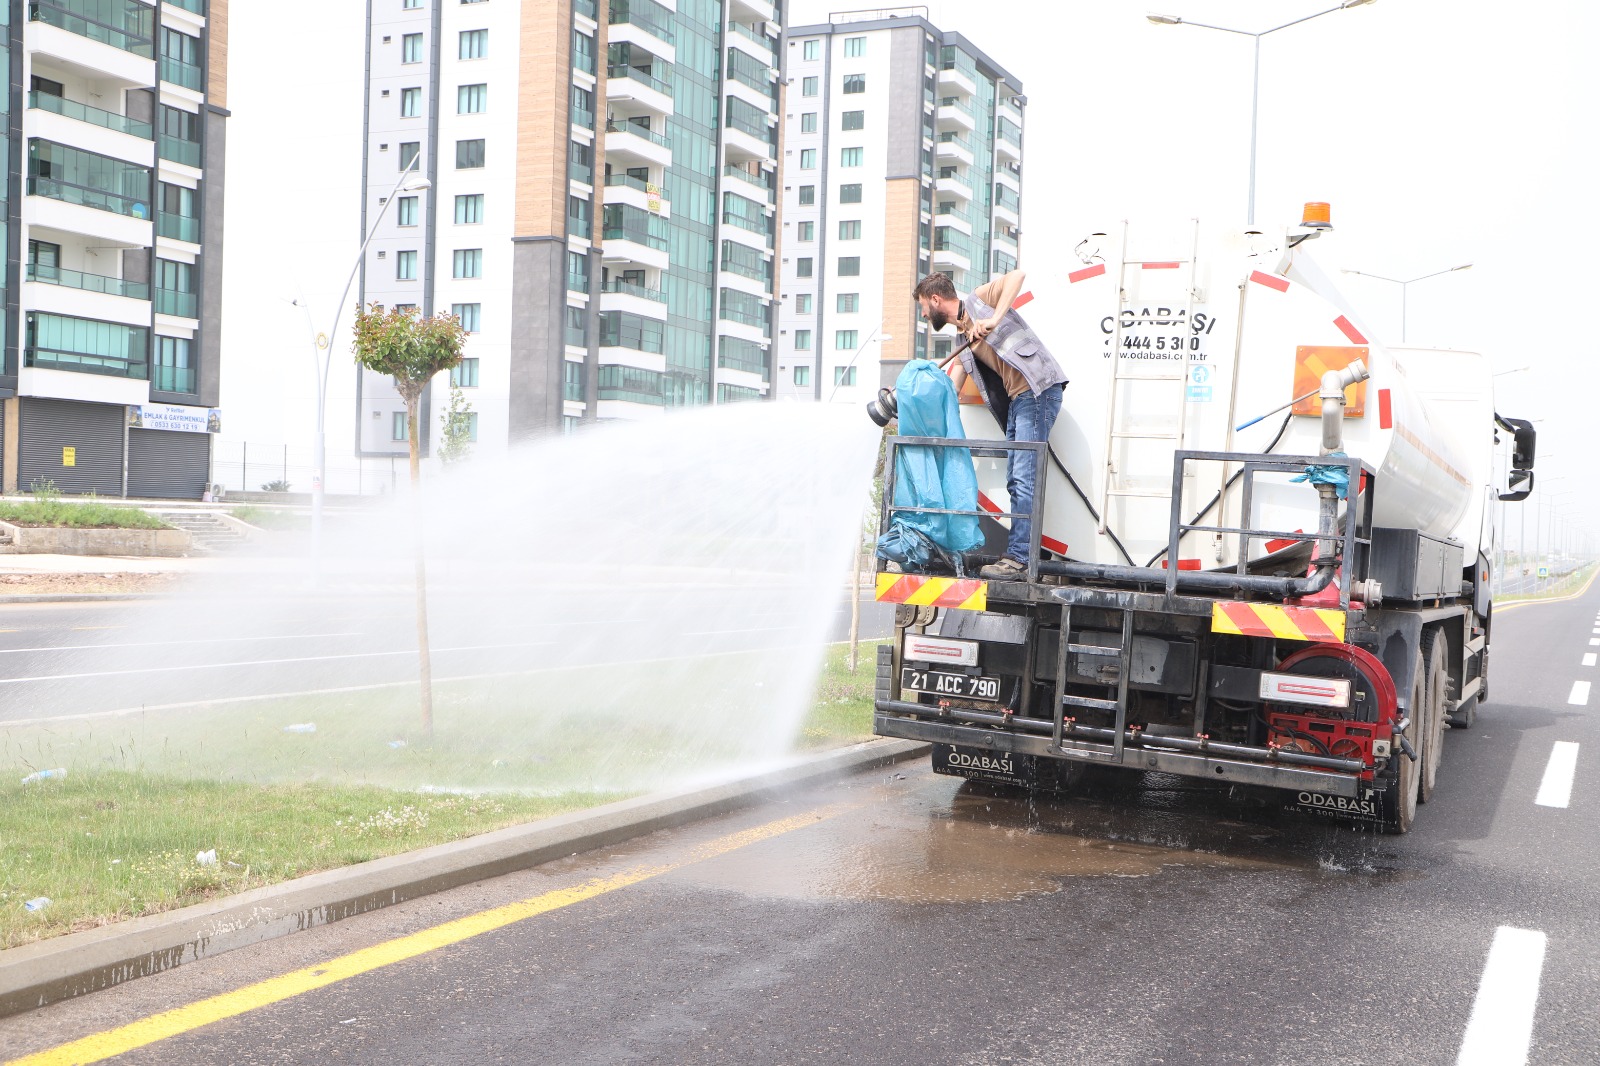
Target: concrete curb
[77, 597]
[66, 966]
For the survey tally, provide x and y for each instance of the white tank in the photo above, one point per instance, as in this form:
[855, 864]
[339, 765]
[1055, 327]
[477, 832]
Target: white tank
[1208, 342]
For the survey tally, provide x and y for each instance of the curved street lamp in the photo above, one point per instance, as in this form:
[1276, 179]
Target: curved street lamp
[1404, 283]
[1255, 87]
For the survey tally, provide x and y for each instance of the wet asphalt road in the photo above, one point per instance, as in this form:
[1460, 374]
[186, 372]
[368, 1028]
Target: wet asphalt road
[906, 918]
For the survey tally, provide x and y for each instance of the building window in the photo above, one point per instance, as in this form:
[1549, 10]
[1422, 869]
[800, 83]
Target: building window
[811, 50]
[803, 267]
[472, 99]
[802, 374]
[411, 48]
[582, 107]
[577, 327]
[808, 122]
[844, 375]
[474, 44]
[174, 372]
[406, 211]
[845, 340]
[802, 304]
[807, 231]
[464, 375]
[854, 120]
[855, 47]
[848, 303]
[849, 266]
[802, 343]
[471, 319]
[850, 194]
[398, 428]
[808, 194]
[855, 83]
[583, 52]
[469, 154]
[850, 157]
[469, 209]
[808, 159]
[405, 266]
[412, 5]
[808, 87]
[411, 103]
[409, 150]
[467, 263]
[850, 230]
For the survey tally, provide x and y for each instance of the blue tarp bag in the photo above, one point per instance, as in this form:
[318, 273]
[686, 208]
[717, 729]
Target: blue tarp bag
[928, 476]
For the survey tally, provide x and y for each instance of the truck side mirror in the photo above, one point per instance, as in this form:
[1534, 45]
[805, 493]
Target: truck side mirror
[1518, 493]
[1523, 448]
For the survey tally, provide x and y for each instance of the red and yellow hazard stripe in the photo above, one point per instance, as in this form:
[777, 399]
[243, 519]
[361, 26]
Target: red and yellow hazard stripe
[933, 591]
[1277, 620]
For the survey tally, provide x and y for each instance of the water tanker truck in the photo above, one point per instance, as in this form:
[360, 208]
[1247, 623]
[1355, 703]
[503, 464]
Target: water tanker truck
[1262, 554]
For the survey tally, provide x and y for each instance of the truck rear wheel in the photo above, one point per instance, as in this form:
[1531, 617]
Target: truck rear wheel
[1399, 803]
[1436, 653]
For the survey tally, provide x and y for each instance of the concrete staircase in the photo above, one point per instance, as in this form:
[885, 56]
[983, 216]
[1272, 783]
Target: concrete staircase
[209, 533]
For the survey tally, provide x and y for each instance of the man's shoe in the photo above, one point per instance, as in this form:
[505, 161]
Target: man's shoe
[1004, 569]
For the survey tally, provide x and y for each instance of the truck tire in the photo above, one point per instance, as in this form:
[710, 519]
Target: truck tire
[1436, 654]
[1399, 803]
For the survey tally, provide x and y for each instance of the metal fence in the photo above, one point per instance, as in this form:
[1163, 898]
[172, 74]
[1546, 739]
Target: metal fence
[258, 466]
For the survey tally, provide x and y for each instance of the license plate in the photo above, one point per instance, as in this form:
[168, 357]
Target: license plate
[959, 686]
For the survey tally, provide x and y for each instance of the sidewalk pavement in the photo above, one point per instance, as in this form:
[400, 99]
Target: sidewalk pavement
[29, 563]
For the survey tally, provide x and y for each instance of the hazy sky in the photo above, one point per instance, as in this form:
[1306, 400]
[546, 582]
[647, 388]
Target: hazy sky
[1441, 131]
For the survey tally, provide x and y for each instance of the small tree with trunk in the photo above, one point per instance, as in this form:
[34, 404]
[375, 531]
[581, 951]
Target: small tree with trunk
[411, 350]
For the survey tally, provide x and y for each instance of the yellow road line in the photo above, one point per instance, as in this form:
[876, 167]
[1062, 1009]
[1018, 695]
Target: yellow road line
[158, 1027]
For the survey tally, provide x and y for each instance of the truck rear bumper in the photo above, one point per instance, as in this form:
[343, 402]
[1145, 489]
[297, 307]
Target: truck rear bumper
[1149, 758]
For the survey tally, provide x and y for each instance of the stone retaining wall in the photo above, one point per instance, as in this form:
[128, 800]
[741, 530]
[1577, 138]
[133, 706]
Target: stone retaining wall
[66, 540]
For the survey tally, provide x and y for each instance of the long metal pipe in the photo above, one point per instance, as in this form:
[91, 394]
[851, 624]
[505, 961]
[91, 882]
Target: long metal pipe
[1131, 737]
[1199, 580]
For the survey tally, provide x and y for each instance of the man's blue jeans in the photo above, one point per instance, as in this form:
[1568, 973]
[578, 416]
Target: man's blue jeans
[1030, 418]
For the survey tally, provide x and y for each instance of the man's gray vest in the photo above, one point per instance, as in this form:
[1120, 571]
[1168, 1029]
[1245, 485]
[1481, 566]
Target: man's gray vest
[1017, 344]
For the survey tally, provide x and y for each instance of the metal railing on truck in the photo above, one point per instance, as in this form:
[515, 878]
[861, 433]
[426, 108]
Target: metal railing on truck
[983, 449]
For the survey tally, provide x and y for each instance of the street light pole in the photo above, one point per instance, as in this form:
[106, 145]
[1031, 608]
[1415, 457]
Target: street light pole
[1255, 80]
[322, 360]
[1404, 285]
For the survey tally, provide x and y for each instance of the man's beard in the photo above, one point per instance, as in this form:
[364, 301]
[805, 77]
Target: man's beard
[937, 318]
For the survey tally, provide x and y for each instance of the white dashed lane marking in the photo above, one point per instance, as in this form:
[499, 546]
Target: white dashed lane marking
[1588, 660]
[1580, 694]
[1556, 788]
[1501, 1025]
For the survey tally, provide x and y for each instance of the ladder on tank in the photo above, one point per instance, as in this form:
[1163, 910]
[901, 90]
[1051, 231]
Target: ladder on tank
[1171, 428]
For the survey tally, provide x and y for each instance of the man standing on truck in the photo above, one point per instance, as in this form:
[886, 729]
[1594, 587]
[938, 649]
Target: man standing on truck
[1017, 378]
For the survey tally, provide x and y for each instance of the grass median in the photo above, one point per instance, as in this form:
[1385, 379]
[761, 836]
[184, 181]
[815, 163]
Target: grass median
[147, 799]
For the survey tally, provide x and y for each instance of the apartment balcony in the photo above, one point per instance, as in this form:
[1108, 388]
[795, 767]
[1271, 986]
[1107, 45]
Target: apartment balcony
[638, 90]
[629, 144]
[630, 352]
[1008, 151]
[177, 72]
[638, 26]
[751, 233]
[744, 143]
[1009, 176]
[750, 11]
[756, 45]
[646, 196]
[120, 220]
[954, 115]
[733, 322]
[756, 186]
[184, 153]
[954, 216]
[624, 249]
[125, 29]
[744, 379]
[953, 185]
[185, 228]
[1005, 109]
[77, 279]
[729, 277]
[956, 82]
[1005, 213]
[94, 116]
[177, 304]
[950, 258]
[634, 299]
[741, 88]
[953, 148]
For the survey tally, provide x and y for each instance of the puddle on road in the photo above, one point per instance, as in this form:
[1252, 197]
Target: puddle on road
[941, 843]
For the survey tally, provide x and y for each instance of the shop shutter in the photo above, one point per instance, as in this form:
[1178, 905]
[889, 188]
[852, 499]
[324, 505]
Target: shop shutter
[166, 465]
[94, 431]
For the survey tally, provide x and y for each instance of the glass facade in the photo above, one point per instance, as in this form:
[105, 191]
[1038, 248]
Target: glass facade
[88, 345]
[80, 177]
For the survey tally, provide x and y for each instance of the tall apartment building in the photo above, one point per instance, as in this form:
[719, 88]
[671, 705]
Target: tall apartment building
[902, 155]
[113, 244]
[601, 209]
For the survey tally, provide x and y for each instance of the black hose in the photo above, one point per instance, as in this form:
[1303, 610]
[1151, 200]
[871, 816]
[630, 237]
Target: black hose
[1204, 581]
